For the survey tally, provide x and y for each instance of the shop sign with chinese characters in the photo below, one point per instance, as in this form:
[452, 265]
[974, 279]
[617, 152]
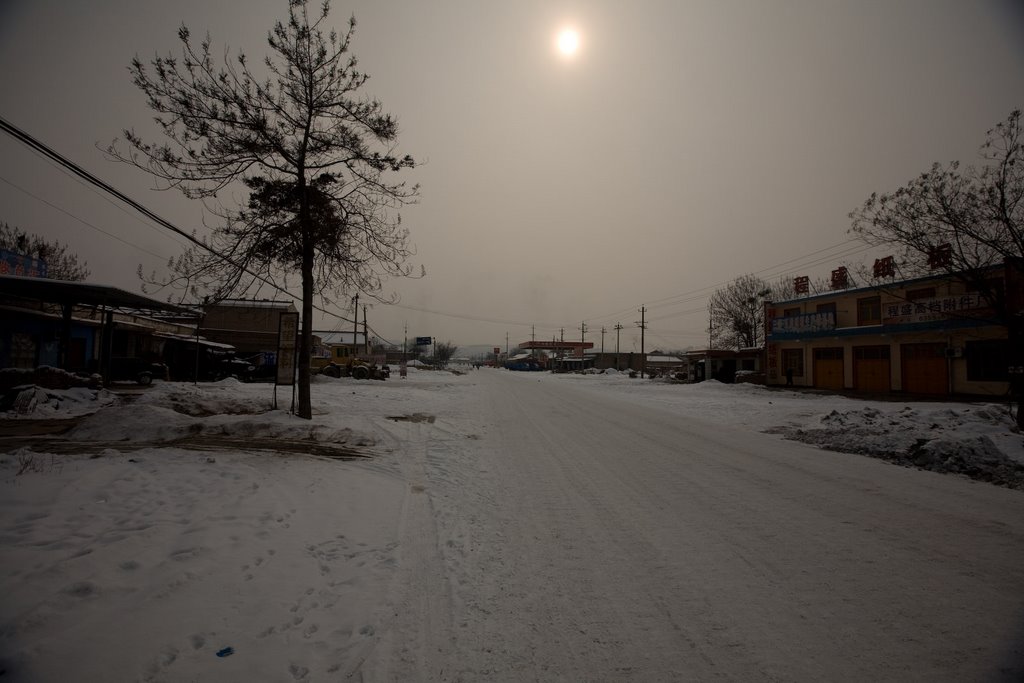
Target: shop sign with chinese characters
[803, 324]
[926, 310]
[21, 265]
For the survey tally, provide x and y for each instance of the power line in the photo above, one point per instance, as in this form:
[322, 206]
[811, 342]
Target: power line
[89, 186]
[696, 294]
[81, 220]
[64, 162]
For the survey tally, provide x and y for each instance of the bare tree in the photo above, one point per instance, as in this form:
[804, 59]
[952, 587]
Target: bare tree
[443, 353]
[314, 155]
[737, 313]
[61, 264]
[964, 222]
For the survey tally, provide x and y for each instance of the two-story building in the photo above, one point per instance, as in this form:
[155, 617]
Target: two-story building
[929, 335]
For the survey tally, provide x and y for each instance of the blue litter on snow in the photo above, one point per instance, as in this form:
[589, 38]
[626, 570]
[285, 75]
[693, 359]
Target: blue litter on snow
[226, 652]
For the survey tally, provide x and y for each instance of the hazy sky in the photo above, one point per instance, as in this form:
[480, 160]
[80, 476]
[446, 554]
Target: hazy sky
[683, 145]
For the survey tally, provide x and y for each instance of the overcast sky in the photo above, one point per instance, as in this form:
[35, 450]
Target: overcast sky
[683, 144]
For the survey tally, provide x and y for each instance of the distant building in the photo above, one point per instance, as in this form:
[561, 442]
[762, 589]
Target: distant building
[251, 326]
[721, 364]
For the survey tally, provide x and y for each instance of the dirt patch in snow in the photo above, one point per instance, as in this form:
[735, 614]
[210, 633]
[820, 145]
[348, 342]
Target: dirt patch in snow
[55, 446]
[415, 417]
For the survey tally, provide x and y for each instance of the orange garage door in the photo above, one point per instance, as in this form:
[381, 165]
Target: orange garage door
[871, 368]
[828, 369]
[925, 369]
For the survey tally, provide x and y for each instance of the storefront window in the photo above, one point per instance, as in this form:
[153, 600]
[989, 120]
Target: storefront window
[793, 359]
[987, 361]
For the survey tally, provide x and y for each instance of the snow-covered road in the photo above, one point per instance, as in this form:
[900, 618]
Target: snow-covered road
[566, 533]
[506, 527]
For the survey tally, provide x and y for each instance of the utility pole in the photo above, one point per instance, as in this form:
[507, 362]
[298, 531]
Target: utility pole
[583, 340]
[366, 333]
[533, 340]
[506, 346]
[603, 332]
[711, 325]
[617, 328]
[355, 327]
[643, 353]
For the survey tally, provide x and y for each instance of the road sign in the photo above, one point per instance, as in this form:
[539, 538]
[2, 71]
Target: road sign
[287, 343]
[424, 341]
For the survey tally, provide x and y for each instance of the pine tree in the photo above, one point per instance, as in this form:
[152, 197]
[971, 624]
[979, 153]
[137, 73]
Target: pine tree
[315, 155]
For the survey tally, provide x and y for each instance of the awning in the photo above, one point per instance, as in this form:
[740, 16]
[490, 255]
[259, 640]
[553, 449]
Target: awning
[81, 293]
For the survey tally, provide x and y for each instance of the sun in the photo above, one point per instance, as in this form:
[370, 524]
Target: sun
[568, 41]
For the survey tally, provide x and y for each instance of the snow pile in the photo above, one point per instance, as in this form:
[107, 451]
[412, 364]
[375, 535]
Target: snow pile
[980, 441]
[46, 377]
[170, 412]
[225, 397]
[943, 439]
[36, 402]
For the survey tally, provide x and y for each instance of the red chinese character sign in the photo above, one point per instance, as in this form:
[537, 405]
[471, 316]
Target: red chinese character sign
[940, 256]
[840, 278]
[885, 267]
[802, 284]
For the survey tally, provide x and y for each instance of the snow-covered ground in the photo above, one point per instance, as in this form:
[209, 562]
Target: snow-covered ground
[193, 533]
[975, 439]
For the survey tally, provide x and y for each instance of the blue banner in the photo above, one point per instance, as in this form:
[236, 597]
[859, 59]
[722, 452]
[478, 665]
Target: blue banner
[19, 264]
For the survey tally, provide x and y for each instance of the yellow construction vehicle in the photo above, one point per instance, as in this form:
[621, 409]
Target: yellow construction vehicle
[342, 362]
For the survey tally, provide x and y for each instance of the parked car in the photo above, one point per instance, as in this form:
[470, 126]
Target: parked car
[238, 368]
[138, 370]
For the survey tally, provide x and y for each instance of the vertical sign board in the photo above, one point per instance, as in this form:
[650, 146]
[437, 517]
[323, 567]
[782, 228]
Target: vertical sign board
[287, 344]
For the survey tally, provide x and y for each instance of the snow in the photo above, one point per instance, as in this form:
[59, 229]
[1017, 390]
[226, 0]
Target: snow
[851, 425]
[170, 526]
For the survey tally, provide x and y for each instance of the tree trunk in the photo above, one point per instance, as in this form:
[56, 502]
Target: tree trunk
[1014, 303]
[306, 338]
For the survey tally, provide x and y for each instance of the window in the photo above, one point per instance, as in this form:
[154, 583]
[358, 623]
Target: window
[23, 350]
[869, 311]
[790, 312]
[988, 361]
[829, 308]
[793, 359]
